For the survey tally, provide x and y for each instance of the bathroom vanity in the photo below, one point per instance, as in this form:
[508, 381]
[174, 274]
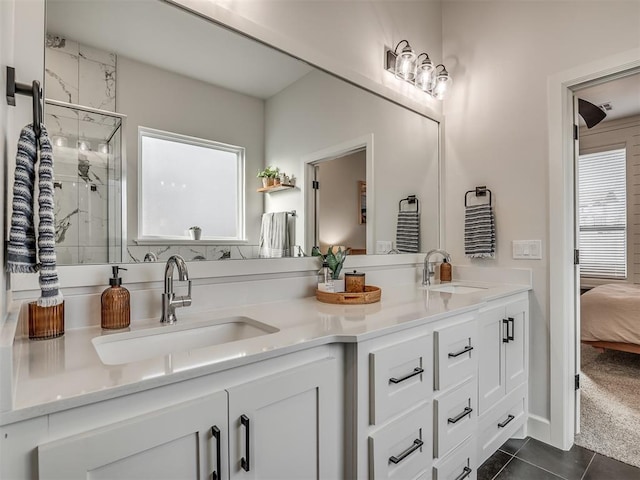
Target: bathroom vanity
[425, 384]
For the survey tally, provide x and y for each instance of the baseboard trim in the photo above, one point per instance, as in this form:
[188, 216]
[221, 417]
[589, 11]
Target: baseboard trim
[539, 428]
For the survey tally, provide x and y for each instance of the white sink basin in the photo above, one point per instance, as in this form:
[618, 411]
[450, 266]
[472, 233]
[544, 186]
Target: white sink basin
[455, 288]
[119, 348]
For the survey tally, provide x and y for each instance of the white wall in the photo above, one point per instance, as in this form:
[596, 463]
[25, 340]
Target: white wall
[500, 56]
[156, 98]
[354, 33]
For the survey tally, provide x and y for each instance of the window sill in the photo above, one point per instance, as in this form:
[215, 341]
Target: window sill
[187, 241]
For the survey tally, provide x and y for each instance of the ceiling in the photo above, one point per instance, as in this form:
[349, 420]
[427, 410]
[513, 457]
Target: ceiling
[164, 36]
[623, 94]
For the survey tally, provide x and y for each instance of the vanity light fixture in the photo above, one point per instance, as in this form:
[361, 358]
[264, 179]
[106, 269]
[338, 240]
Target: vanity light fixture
[418, 71]
[404, 62]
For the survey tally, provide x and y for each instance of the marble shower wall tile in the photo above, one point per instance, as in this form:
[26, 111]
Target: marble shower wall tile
[67, 214]
[97, 55]
[61, 76]
[97, 85]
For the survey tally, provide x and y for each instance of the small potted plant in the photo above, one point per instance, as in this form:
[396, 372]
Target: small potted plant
[195, 233]
[268, 176]
[335, 260]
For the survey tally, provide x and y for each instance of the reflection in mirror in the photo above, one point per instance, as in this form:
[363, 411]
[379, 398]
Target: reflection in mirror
[209, 83]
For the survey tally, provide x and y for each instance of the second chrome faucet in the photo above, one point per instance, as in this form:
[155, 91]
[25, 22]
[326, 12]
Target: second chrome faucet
[169, 299]
[429, 270]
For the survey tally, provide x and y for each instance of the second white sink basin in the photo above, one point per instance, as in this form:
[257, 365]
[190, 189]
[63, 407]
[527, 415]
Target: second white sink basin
[455, 288]
[119, 348]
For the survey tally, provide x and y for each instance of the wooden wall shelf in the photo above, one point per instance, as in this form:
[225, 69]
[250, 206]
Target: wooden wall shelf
[276, 188]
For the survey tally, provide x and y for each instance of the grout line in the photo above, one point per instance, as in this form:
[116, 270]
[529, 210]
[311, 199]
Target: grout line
[503, 467]
[541, 468]
[590, 462]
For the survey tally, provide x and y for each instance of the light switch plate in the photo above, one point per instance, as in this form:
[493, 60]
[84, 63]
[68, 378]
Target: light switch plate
[383, 246]
[527, 249]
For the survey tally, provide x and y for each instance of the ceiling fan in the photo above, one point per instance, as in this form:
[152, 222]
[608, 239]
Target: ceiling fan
[590, 113]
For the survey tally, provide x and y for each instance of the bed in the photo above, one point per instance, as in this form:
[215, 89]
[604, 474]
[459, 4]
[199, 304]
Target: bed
[610, 317]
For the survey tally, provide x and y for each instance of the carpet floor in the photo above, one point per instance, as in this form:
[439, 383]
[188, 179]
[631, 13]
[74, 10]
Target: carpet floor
[610, 404]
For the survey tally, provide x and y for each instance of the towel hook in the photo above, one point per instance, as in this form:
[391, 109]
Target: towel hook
[480, 191]
[33, 90]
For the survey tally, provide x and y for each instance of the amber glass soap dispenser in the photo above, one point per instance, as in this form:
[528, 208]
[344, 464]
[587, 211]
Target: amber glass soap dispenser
[115, 303]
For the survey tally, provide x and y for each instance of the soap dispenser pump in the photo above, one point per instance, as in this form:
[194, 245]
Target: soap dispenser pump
[115, 303]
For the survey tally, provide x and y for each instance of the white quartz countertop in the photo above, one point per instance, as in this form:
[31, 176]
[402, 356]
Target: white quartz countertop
[66, 372]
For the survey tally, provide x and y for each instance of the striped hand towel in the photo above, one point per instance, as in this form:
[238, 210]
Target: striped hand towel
[21, 251]
[408, 232]
[274, 235]
[479, 231]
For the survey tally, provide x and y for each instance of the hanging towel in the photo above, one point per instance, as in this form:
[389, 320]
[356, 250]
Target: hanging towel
[274, 235]
[408, 232]
[21, 252]
[479, 231]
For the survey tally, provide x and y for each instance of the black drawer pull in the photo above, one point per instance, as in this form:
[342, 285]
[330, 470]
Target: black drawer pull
[416, 371]
[505, 335]
[461, 415]
[466, 349]
[506, 422]
[511, 321]
[244, 461]
[417, 443]
[465, 473]
[215, 433]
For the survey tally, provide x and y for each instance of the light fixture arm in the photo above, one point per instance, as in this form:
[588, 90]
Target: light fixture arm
[395, 50]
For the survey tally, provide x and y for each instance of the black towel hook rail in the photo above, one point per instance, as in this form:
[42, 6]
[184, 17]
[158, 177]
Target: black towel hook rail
[480, 192]
[32, 90]
[411, 199]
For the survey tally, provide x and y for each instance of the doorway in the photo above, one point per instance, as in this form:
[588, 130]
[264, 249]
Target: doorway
[607, 171]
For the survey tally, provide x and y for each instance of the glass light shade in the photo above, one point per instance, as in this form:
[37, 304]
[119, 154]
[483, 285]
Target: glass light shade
[84, 145]
[441, 85]
[59, 141]
[406, 64]
[424, 75]
[103, 148]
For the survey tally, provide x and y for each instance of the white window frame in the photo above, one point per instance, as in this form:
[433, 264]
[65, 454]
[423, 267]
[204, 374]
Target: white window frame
[591, 279]
[240, 238]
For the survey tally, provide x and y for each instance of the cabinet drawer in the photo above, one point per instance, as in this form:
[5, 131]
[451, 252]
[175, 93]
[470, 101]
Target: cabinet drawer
[455, 414]
[459, 464]
[500, 423]
[456, 353]
[403, 448]
[401, 376]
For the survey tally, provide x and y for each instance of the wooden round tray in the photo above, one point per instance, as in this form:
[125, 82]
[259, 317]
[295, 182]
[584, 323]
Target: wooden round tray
[371, 294]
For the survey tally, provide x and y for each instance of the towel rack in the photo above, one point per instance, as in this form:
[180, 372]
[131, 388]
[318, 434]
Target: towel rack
[480, 192]
[32, 90]
[292, 213]
[411, 199]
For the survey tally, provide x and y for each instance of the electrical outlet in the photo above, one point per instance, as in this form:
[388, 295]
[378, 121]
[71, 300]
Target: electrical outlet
[383, 246]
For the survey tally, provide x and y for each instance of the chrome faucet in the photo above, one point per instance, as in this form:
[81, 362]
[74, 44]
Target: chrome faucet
[169, 299]
[429, 269]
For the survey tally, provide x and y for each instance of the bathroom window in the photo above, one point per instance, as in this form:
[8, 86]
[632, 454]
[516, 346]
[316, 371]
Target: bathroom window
[186, 182]
[603, 214]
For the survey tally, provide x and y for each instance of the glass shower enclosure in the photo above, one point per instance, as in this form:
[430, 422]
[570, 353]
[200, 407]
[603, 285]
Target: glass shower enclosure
[89, 183]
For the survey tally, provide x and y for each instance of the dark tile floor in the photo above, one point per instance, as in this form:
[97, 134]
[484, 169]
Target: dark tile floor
[530, 459]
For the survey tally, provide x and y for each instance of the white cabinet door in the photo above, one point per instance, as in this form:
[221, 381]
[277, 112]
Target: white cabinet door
[286, 426]
[185, 441]
[492, 334]
[515, 351]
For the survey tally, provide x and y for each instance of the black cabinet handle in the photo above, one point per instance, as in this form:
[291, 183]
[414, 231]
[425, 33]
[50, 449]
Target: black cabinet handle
[244, 461]
[511, 322]
[215, 433]
[417, 443]
[461, 415]
[466, 349]
[505, 330]
[506, 422]
[416, 371]
[465, 473]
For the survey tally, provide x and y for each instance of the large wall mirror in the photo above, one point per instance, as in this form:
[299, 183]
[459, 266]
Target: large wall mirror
[162, 120]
